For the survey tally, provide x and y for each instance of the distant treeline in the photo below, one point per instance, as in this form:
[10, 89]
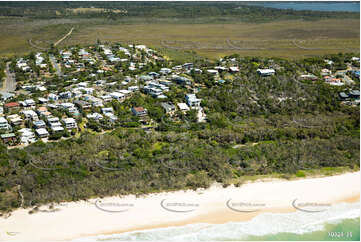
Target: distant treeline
[226, 11]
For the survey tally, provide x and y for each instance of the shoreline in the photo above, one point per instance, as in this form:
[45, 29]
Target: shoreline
[216, 214]
[113, 215]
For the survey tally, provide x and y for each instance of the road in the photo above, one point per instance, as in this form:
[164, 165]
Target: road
[56, 65]
[9, 84]
[59, 41]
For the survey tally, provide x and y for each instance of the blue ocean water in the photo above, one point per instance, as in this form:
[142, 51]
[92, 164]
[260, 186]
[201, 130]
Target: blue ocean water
[340, 222]
[315, 6]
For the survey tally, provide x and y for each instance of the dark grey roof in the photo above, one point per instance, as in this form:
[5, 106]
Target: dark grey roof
[168, 106]
[355, 92]
[343, 95]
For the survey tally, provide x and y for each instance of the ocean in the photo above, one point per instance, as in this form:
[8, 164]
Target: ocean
[339, 222]
[315, 6]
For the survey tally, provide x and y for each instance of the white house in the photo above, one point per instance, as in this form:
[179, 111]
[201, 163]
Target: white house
[70, 123]
[42, 133]
[117, 96]
[4, 124]
[183, 107]
[192, 101]
[266, 72]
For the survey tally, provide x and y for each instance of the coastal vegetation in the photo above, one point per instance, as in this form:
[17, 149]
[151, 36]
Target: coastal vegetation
[257, 126]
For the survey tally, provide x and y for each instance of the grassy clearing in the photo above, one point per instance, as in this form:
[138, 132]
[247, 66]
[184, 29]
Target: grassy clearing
[288, 39]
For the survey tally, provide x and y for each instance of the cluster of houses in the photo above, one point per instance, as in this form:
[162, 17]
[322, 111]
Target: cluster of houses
[26, 121]
[66, 110]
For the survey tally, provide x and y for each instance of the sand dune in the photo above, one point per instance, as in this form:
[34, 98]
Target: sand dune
[214, 205]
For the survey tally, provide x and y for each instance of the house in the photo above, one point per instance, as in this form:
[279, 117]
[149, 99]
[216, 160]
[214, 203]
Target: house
[53, 97]
[57, 129]
[183, 107]
[42, 100]
[39, 124]
[95, 116]
[266, 72]
[212, 72]
[233, 69]
[15, 119]
[4, 124]
[335, 82]
[83, 105]
[139, 111]
[27, 136]
[308, 77]
[168, 107]
[96, 102]
[182, 80]
[192, 101]
[65, 95]
[8, 138]
[42, 133]
[165, 71]
[117, 96]
[42, 110]
[325, 72]
[107, 110]
[6, 95]
[354, 94]
[187, 66]
[54, 124]
[13, 106]
[106, 98]
[165, 82]
[111, 116]
[220, 68]
[126, 93]
[67, 106]
[133, 88]
[146, 78]
[30, 115]
[70, 123]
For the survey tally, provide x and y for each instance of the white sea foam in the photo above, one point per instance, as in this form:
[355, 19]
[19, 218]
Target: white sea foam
[268, 223]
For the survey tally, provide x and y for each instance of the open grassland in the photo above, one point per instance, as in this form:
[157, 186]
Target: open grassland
[289, 39]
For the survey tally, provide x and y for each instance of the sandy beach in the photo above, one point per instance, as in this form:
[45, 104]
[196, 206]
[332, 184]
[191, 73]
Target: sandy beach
[109, 215]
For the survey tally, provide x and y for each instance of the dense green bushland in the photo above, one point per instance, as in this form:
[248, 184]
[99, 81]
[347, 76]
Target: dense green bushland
[256, 126]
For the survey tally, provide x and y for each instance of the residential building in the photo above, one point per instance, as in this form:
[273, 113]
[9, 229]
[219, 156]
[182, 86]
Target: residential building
[117, 96]
[8, 138]
[10, 107]
[70, 123]
[15, 119]
[4, 124]
[39, 124]
[266, 72]
[139, 111]
[95, 116]
[183, 107]
[30, 115]
[168, 107]
[42, 133]
[192, 101]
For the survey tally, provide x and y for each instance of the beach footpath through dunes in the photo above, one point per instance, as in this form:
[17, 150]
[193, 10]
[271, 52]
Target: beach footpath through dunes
[216, 205]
